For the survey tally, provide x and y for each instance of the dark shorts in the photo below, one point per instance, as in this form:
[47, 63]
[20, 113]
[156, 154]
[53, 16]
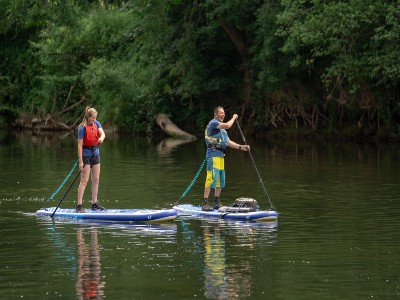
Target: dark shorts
[94, 160]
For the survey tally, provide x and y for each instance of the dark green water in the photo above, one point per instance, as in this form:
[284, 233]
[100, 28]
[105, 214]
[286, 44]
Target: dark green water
[337, 236]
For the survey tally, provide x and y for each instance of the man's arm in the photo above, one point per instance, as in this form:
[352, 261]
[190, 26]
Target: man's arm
[228, 124]
[234, 145]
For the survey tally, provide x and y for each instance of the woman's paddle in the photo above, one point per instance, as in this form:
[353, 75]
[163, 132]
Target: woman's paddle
[62, 199]
[255, 167]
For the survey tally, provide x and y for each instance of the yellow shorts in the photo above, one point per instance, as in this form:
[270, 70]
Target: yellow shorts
[215, 172]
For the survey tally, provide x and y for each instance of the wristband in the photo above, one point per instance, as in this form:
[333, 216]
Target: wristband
[240, 147]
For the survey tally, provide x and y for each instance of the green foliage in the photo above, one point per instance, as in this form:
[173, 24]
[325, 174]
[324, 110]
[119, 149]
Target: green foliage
[20, 21]
[126, 81]
[134, 59]
[271, 66]
[360, 38]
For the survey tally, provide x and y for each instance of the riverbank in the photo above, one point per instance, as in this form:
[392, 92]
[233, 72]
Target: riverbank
[346, 134]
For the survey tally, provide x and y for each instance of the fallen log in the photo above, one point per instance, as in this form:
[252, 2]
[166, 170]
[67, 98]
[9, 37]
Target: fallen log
[166, 125]
[38, 123]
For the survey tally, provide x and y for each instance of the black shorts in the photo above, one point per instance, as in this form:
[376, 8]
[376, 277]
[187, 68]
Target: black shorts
[94, 160]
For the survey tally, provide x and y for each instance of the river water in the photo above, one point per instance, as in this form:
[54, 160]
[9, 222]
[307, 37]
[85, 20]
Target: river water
[337, 236]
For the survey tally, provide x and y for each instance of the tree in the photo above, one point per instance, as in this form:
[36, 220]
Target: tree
[353, 45]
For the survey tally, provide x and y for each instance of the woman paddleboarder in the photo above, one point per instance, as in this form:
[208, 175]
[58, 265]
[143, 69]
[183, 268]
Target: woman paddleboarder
[90, 135]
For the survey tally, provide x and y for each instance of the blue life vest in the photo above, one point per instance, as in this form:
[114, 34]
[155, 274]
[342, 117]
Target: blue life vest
[218, 140]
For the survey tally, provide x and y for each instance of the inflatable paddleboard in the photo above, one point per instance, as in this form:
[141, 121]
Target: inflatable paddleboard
[227, 213]
[112, 215]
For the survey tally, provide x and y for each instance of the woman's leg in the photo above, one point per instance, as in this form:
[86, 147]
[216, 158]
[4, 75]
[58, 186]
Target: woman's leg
[95, 182]
[82, 185]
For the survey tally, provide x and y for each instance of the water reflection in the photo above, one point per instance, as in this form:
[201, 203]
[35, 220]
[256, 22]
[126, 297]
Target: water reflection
[214, 264]
[166, 231]
[229, 275]
[89, 284]
[166, 146]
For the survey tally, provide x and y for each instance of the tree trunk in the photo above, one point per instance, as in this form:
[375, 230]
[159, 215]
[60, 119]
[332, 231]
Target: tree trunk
[238, 38]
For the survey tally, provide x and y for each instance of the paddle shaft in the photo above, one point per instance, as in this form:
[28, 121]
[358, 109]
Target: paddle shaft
[193, 181]
[255, 167]
[70, 186]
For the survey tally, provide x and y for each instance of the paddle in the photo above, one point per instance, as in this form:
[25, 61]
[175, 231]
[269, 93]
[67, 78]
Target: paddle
[255, 167]
[62, 199]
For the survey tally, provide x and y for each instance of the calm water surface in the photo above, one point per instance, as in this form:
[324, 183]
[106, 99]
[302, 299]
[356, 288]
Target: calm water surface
[337, 236]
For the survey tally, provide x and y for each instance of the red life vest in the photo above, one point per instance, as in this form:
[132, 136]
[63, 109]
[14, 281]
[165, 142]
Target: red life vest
[91, 137]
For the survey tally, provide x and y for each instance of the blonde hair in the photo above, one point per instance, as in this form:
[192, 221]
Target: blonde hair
[89, 111]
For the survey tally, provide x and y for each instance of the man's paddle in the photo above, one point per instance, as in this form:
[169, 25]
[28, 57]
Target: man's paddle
[255, 167]
[62, 199]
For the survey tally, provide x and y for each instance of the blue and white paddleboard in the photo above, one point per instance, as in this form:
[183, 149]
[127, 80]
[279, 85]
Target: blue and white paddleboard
[259, 215]
[112, 215]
